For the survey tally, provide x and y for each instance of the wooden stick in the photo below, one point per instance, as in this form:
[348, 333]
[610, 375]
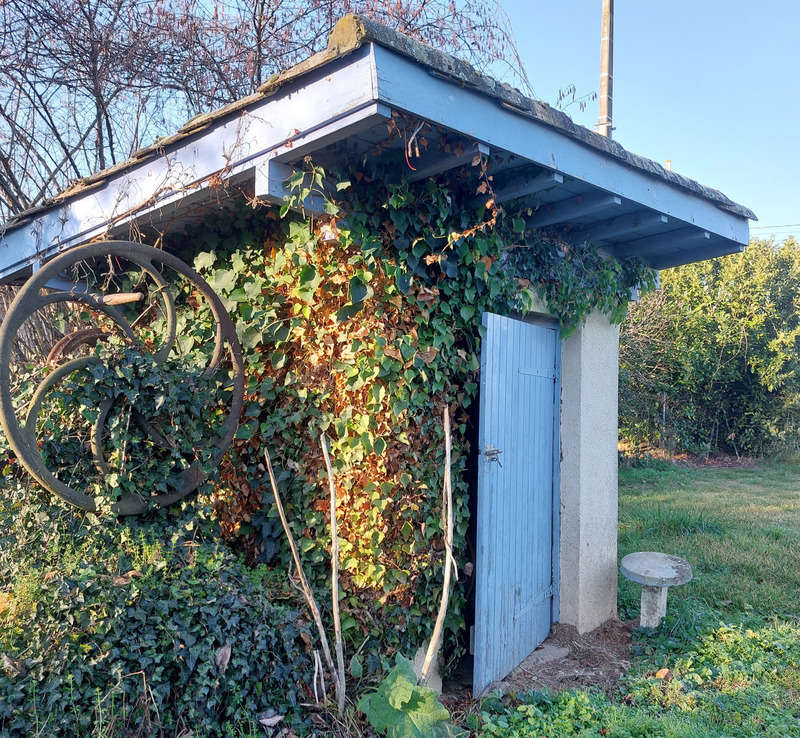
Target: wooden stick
[449, 561]
[309, 595]
[337, 624]
[122, 298]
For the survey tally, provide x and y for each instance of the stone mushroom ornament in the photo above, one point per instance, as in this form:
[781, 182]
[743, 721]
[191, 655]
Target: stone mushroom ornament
[656, 572]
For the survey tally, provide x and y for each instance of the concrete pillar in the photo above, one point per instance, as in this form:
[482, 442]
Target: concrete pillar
[588, 544]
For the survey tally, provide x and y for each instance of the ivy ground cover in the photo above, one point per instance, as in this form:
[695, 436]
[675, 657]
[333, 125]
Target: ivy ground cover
[726, 661]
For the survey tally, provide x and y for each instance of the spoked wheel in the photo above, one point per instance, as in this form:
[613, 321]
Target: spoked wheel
[131, 293]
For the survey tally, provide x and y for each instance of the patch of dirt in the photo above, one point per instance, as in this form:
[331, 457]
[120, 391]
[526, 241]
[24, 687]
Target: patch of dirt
[720, 460]
[595, 659]
[565, 660]
[630, 455]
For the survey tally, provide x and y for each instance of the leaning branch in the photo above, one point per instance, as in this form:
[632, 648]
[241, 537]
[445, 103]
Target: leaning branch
[449, 561]
[337, 624]
[309, 595]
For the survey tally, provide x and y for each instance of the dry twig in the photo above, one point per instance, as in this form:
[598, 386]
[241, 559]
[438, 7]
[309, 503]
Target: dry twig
[337, 625]
[307, 593]
[449, 561]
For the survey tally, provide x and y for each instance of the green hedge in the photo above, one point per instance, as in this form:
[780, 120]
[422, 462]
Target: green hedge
[711, 361]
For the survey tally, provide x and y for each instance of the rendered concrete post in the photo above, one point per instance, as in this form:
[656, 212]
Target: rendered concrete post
[588, 541]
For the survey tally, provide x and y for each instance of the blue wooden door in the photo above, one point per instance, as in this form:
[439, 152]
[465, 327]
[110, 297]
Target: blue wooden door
[516, 564]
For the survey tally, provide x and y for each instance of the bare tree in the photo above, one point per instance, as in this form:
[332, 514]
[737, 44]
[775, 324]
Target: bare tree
[84, 83]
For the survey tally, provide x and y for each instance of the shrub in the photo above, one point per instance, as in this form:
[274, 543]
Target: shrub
[149, 622]
[709, 362]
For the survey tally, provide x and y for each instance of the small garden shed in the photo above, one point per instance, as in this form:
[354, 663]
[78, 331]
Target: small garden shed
[475, 248]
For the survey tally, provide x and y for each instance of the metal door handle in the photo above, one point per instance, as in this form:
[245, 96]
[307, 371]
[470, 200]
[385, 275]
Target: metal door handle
[493, 454]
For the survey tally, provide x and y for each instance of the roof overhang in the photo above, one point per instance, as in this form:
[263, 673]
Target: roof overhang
[336, 106]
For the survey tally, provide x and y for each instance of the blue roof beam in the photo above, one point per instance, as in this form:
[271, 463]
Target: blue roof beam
[622, 227]
[663, 247]
[434, 164]
[532, 132]
[723, 247]
[270, 184]
[527, 186]
[570, 210]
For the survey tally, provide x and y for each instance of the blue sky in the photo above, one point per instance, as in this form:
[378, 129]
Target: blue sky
[712, 85]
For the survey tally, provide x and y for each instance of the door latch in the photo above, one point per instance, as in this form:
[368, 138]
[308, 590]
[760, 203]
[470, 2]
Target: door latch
[493, 454]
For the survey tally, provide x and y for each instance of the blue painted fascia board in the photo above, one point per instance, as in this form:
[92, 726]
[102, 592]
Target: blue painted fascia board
[404, 84]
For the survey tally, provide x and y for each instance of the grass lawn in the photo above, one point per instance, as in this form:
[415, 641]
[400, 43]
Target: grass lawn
[731, 639]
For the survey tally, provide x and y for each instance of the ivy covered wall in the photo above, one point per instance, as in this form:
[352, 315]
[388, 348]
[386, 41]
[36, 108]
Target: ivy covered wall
[364, 324]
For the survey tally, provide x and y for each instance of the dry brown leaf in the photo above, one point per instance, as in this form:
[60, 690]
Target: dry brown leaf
[429, 355]
[270, 721]
[392, 353]
[222, 657]
[13, 667]
[663, 673]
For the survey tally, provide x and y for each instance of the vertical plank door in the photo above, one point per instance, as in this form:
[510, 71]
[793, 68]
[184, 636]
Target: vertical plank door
[517, 525]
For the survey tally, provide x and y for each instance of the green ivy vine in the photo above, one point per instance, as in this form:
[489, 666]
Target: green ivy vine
[363, 323]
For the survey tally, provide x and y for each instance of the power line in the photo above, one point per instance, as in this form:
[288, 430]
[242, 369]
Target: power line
[766, 227]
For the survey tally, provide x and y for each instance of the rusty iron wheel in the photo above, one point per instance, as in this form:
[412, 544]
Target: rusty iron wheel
[31, 297]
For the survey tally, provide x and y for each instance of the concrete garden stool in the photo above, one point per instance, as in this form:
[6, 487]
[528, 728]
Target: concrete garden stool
[656, 572]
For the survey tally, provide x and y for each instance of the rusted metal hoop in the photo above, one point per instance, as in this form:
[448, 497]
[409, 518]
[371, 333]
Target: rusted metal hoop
[29, 299]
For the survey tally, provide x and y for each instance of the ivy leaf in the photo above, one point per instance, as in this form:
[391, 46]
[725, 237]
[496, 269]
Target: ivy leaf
[204, 260]
[244, 432]
[347, 312]
[358, 290]
[295, 180]
[307, 274]
[356, 669]
[277, 359]
[223, 280]
[467, 312]
[403, 281]
[342, 185]
[449, 264]
[308, 282]
[518, 225]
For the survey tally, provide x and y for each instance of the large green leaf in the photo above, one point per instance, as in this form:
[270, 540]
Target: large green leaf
[400, 708]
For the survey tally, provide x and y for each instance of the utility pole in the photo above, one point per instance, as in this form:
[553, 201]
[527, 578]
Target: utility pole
[604, 127]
